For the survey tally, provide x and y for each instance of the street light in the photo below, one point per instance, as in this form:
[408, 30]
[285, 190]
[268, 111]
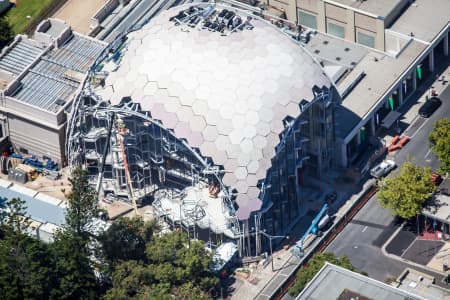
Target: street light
[271, 237]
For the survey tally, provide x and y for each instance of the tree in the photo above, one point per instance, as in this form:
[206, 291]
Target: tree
[126, 240]
[83, 204]
[26, 264]
[440, 143]
[6, 33]
[406, 193]
[72, 245]
[76, 277]
[170, 269]
[306, 273]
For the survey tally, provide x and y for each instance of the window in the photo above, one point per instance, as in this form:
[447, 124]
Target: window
[366, 40]
[336, 30]
[307, 20]
[23, 150]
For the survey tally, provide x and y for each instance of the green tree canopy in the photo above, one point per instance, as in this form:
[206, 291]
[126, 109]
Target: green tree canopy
[83, 204]
[170, 268]
[6, 33]
[126, 240]
[26, 264]
[406, 193]
[306, 273]
[73, 247]
[440, 143]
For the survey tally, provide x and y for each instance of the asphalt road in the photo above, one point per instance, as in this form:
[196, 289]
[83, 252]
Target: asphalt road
[361, 239]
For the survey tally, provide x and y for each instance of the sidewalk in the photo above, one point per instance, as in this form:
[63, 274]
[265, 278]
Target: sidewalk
[263, 282]
[433, 267]
[78, 13]
[414, 102]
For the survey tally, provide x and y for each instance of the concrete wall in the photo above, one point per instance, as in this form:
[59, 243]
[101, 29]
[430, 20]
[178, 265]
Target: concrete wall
[392, 16]
[331, 12]
[104, 12]
[36, 138]
[20, 108]
[288, 6]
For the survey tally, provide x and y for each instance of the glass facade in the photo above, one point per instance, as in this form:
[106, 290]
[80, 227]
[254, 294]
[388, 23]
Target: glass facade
[336, 30]
[366, 40]
[306, 19]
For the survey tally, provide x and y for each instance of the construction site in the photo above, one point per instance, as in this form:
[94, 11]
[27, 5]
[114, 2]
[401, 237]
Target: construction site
[216, 147]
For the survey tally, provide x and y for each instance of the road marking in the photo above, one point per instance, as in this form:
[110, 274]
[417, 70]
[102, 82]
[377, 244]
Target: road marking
[407, 248]
[364, 229]
[420, 127]
[428, 153]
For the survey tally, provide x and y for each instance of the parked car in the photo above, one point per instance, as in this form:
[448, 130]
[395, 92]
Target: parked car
[383, 168]
[429, 107]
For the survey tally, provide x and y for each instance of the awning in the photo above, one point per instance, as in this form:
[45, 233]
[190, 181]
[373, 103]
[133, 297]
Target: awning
[390, 119]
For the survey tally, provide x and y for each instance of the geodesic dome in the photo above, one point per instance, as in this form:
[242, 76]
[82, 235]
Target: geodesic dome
[225, 94]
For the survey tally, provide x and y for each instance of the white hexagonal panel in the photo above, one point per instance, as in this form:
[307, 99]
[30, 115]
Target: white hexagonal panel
[226, 95]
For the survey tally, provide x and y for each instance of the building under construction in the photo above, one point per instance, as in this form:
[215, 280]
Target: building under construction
[39, 79]
[212, 115]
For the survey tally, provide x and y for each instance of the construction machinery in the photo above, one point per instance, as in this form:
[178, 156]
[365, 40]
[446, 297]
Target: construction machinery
[317, 223]
[121, 130]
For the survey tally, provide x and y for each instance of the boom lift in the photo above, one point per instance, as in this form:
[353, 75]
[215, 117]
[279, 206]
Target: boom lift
[317, 223]
[120, 132]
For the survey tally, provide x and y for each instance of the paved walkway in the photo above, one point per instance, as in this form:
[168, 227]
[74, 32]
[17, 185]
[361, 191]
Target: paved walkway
[263, 281]
[410, 109]
[78, 13]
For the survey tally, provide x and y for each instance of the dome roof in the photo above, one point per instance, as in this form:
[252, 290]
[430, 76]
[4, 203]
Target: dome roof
[226, 95]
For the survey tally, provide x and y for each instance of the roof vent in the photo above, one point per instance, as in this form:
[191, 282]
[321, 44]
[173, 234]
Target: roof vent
[317, 51]
[325, 42]
[60, 102]
[338, 58]
[346, 49]
[353, 63]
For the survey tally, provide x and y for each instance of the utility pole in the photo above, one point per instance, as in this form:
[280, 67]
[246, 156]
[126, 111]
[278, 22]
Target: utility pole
[271, 237]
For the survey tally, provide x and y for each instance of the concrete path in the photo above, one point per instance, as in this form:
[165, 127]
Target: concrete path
[78, 13]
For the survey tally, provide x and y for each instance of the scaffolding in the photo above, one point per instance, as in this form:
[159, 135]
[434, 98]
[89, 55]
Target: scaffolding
[133, 158]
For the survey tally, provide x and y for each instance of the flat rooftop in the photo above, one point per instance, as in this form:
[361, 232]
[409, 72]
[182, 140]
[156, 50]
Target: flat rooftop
[424, 18]
[364, 66]
[41, 208]
[421, 284]
[333, 282]
[439, 207]
[19, 55]
[336, 56]
[78, 13]
[53, 80]
[380, 8]
[368, 92]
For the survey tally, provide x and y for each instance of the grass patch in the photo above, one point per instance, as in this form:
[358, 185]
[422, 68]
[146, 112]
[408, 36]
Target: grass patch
[17, 16]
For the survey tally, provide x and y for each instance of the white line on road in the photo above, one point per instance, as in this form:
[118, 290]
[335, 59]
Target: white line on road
[364, 229]
[428, 153]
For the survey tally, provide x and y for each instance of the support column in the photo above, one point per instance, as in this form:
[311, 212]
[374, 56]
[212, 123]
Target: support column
[400, 94]
[431, 61]
[358, 138]
[414, 81]
[344, 155]
[321, 23]
[372, 126]
[446, 45]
